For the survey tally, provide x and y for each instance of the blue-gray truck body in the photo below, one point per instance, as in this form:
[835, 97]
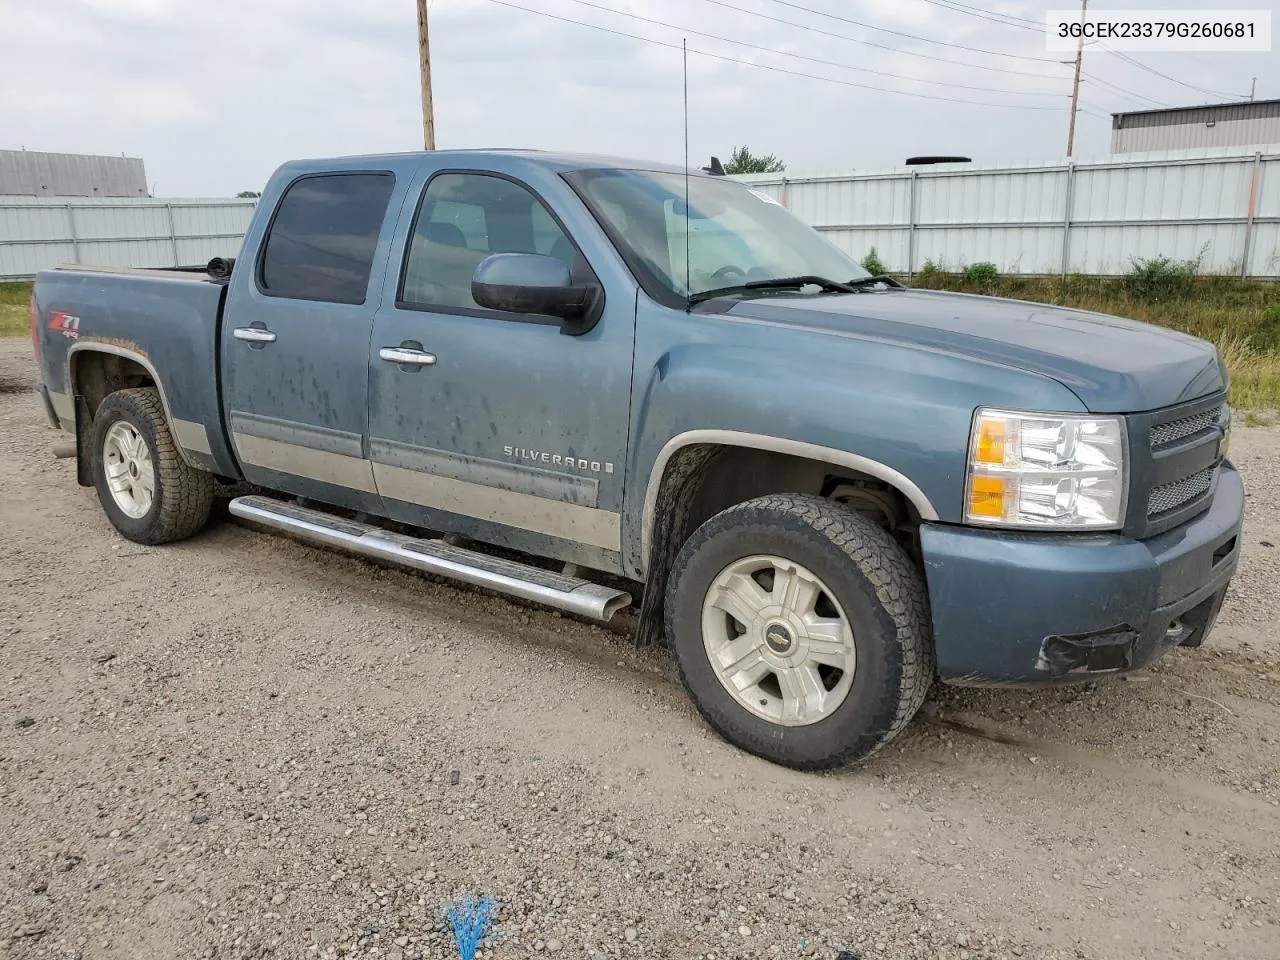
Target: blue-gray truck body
[557, 443]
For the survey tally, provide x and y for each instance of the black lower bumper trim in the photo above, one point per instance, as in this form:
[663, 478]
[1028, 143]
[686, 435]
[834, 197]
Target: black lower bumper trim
[1103, 651]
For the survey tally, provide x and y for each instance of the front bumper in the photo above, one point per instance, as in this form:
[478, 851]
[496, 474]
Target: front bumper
[1042, 608]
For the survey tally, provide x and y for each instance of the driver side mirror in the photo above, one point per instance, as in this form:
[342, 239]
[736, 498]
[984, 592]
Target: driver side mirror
[537, 284]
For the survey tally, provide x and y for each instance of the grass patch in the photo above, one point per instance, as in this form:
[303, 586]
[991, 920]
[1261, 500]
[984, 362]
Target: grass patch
[15, 312]
[1161, 279]
[1255, 378]
[1241, 316]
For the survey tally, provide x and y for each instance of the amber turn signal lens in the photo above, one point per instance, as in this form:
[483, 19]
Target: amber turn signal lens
[992, 435]
[986, 496]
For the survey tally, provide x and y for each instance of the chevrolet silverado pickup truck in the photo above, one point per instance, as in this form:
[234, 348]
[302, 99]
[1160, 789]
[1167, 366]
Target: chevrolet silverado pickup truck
[576, 381]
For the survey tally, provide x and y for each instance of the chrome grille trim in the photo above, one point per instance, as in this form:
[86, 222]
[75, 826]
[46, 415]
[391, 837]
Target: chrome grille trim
[1164, 434]
[1170, 496]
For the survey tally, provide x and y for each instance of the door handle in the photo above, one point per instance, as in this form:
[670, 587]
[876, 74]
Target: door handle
[254, 334]
[407, 355]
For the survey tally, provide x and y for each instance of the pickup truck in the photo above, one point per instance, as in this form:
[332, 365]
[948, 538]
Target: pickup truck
[576, 381]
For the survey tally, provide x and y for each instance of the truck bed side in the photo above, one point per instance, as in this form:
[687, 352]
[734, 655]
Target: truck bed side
[102, 329]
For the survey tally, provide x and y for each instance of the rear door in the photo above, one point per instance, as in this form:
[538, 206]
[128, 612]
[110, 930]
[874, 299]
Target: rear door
[296, 338]
[506, 429]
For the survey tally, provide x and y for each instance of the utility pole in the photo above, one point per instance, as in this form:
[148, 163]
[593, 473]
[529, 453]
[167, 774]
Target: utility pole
[424, 60]
[1075, 90]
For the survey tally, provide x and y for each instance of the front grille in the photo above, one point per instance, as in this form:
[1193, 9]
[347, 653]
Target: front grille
[1170, 496]
[1164, 434]
[1173, 463]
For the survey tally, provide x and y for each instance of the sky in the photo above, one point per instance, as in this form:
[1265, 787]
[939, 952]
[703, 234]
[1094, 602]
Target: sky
[215, 95]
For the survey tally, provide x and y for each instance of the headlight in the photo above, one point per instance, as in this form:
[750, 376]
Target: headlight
[1033, 470]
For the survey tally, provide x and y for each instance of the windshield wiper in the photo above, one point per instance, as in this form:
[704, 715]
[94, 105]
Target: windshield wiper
[783, 283]
[777, 283]
[860, 282]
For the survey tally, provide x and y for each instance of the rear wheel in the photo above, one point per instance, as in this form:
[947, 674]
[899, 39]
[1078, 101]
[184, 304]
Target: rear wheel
[801, 630]
[149, 493]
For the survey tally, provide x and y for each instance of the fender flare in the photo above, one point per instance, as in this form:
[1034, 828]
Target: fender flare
[187, 434]
[756, 441]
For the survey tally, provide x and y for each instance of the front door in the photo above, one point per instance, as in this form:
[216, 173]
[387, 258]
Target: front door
[494, 425]
[296, 384]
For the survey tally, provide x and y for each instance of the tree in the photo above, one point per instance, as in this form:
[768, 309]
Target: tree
[744, 161]
[249, 194]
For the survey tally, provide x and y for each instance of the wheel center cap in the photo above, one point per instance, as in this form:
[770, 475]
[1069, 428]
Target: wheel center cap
[778, 638]
[133, 470]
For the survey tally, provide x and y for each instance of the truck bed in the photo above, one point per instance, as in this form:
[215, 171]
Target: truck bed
[163, 322]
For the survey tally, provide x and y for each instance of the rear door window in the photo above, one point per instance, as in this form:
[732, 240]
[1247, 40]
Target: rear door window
[321, 241]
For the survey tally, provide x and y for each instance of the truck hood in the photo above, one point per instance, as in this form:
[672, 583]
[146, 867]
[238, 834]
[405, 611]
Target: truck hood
[1113, 365]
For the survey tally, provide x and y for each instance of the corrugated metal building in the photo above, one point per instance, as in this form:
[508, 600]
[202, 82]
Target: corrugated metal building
[29, 173]
[1249, 124]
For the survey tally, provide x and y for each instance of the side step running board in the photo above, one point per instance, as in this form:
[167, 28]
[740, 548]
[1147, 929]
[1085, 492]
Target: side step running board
[435, 556]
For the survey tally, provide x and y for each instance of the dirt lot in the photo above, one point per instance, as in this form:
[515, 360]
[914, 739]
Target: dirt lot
[243, 747]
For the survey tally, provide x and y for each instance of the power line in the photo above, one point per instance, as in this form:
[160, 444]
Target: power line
[1039, 25]
[765, 66]
[1129, 94]
[1165, 76]
[800, 56]
[872, 43]
[1004, 19]
[912, 36]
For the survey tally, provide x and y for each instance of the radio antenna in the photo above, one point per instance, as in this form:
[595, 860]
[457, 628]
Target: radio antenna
[688, 273]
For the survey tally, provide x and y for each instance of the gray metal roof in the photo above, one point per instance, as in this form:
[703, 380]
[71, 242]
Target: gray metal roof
[30, 173]
[1247, 110]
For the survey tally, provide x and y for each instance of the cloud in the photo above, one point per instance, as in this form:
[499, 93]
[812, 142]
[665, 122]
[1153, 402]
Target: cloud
[215, 95]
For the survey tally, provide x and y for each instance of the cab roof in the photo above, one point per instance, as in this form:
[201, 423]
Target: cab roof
[560, 162]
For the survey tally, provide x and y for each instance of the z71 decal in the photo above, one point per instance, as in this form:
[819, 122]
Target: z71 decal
[65, 324]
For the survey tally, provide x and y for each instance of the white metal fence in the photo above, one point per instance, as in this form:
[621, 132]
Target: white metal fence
[41, 232]
[1221, 206]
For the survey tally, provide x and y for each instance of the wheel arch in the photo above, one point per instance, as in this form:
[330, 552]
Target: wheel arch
[842, 460]
[701, 472]
[95, 370]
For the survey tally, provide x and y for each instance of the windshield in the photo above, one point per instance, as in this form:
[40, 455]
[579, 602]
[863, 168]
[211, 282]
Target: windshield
[735, 234]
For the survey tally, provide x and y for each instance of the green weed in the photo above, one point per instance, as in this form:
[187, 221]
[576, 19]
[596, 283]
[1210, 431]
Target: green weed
[980, 275]
[873, 264]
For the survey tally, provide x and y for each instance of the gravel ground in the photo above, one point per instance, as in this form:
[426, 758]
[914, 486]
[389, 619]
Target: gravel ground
[241, 747]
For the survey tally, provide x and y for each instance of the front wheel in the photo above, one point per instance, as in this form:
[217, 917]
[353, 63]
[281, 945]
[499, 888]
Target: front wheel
[801, 630]
[149, 493]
